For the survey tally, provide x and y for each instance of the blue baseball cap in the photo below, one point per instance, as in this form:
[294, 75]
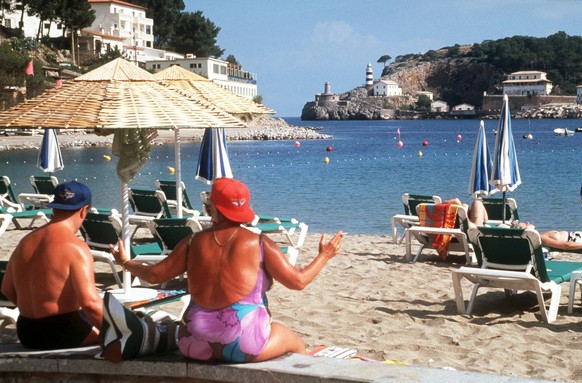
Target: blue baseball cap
[71, 195]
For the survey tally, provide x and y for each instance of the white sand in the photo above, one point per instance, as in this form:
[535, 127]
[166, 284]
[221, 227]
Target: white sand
[370, 299]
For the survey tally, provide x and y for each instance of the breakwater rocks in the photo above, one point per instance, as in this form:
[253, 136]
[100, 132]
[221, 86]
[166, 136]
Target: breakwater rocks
[552, 111]
[259, 129]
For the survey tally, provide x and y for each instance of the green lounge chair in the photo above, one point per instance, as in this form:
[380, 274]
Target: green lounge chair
[513, 259]
[425, 236]
[24, 206]
[101, 229]
[168, 232]
[44, 184]
[410, 218]
[169, 189]
[494, 208]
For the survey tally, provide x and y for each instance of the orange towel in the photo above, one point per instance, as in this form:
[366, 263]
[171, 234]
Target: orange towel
[442, 215]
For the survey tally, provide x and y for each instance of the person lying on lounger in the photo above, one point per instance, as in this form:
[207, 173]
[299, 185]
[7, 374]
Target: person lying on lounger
[555, 239]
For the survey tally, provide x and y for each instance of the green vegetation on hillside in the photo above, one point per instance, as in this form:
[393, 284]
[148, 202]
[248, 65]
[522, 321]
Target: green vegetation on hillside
[463, 73]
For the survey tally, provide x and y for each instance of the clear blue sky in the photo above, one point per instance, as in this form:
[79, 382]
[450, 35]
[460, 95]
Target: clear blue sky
[295, 46]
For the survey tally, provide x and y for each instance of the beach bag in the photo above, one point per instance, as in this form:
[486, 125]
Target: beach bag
[125, 335]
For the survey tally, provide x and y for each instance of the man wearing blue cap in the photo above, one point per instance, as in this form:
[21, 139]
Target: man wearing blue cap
[50, 278]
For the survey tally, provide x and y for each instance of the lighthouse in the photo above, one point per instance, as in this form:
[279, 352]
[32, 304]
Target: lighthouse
[369, 75]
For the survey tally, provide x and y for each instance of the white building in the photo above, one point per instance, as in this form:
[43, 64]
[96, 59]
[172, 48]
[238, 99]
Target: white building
[124, 21]
[387, 88]
[439, 106]
[221, 72]
[525, 83]
[31, 24]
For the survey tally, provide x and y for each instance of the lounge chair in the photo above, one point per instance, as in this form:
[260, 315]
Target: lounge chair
[426, 235]
[494, 208]
[101, 229]
[512, 259]
[5, 220]
[24, 206]
[8, 197]
[169, 189]
[170, 231]
[8, 310]
[410, 217]
[44, 184]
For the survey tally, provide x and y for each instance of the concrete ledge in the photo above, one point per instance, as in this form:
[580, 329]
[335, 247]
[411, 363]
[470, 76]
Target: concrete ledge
[80, 365]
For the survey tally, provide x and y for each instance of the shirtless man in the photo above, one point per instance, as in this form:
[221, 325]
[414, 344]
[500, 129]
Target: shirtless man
[556, 239]
[50, 278]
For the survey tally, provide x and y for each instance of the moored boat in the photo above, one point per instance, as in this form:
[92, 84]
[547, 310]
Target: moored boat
[563, 132]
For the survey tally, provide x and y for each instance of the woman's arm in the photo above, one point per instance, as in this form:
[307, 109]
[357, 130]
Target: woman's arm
[279, 267]
[170, 267]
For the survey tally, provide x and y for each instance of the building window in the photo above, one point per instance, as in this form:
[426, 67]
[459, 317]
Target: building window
[215, 69]
[47, 25]
[7, 23]
[148, 44]
[148, 29]
[115, 26]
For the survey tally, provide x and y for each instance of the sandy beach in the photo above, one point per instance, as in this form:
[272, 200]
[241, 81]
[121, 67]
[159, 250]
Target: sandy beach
[370, 299]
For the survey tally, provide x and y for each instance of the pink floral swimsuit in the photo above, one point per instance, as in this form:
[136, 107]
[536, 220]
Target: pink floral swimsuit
[242, 329]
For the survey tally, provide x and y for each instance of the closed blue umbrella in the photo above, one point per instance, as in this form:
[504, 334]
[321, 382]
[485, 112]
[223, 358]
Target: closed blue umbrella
[481, 167]
[505, 170]
[213, 160]
[49, 157]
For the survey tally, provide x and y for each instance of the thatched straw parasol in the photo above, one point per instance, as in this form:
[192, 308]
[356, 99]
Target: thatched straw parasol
[129, 101]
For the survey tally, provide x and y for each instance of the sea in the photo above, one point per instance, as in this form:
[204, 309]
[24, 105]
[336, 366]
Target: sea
[354, 181]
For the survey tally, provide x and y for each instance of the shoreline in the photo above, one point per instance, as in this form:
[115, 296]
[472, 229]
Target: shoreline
[259, 129]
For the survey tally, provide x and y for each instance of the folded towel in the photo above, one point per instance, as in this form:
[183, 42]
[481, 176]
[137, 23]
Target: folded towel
[442, 215]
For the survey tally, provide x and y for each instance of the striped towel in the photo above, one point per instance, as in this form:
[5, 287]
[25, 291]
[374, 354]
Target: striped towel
[443, 215]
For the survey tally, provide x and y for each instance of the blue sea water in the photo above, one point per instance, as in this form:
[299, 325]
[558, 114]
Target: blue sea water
[360, 189]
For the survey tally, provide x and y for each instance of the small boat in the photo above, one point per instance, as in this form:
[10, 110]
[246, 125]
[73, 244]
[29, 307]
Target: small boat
[563, 132]
[579, 129]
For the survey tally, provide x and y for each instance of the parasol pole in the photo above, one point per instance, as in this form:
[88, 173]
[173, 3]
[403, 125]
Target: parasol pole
[125, 234]
[178, 171]
[503, 207]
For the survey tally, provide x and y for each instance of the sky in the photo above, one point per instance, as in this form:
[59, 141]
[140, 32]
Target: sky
[295, 46]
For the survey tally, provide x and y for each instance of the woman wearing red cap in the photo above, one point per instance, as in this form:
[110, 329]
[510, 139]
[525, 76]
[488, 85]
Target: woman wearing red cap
[229, 271]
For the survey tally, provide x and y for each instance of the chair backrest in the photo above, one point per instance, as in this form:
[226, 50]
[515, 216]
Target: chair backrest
[411, 201]
[99, 230]
[44, 184]
[7, 193]
[494, 208]
[509, 249]
[170, 231]
[151, 203]
[461, 221]
[169, 189]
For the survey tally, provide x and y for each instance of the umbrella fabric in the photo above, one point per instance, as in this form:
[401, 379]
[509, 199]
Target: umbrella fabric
[213, 160]
[481, 166]
[505, 169]
[49, 157]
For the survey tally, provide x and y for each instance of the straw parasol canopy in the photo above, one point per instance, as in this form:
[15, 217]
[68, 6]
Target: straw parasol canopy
[117, 95]
[196, 85]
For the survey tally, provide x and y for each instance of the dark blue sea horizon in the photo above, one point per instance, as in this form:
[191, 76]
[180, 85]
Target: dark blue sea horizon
[360, 189]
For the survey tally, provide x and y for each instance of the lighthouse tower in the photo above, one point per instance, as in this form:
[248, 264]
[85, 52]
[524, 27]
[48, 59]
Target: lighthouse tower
[369, 75]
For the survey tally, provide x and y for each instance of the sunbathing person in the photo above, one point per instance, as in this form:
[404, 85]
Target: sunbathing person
[50, 278]
[556, 239]
[229, 272]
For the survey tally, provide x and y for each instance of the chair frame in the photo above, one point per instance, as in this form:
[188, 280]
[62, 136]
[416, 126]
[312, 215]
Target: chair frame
[520, 266]
[410, 217]
[421, 233]
[169, 190]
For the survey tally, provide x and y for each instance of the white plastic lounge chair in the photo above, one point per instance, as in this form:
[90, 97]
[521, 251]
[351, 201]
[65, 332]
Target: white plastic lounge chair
[425, 236]
[8, 311]
[24, 206]
[512, 259]
[169, 189]
[410, 218]
[5, 220]
[575, 280]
